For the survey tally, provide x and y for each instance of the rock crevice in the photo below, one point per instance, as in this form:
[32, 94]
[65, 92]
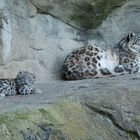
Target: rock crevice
[134, 133]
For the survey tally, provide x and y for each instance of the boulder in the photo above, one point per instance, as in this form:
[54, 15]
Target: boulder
[96, 109]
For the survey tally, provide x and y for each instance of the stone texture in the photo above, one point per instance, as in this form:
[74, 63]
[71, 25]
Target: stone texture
[97, 109]
[38, 44]
[81, 14]
[106, 20]
[123, 20]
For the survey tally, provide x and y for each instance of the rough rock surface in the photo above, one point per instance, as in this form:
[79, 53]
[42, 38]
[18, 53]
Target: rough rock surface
[37, 35]
[96, 109]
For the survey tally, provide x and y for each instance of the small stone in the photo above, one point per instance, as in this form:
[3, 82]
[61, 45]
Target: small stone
[2, 96]
[37, 91]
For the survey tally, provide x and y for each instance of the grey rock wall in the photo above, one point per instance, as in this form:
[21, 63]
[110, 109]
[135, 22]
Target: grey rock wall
[36, 43]
[37, 35]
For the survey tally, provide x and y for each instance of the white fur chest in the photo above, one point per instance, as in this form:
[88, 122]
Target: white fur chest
[110, 59]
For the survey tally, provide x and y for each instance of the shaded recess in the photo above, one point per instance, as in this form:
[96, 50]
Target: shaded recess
[80, 14]
[91, 15]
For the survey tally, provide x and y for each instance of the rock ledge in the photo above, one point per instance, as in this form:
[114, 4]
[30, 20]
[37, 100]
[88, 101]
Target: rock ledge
[99, 109]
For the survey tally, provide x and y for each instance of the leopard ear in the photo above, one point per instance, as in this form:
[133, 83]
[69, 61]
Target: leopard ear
[130, 35]
[19, 72]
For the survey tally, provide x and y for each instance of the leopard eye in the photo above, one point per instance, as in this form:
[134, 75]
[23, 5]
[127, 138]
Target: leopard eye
[132, 34]
[138, 39]
[33, 77]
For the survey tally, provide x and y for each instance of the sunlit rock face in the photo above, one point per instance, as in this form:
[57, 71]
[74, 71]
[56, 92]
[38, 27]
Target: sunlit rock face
[37, 35]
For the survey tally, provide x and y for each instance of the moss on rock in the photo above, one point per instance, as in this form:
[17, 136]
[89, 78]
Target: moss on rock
[57, 122]
[67, 119]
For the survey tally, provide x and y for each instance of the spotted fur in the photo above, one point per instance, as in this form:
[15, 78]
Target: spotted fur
[7, 87]
[92, 61]
[22, 84]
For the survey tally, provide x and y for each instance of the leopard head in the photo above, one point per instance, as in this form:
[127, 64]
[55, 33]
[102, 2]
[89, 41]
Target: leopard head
[25, 78]
[131, 43]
